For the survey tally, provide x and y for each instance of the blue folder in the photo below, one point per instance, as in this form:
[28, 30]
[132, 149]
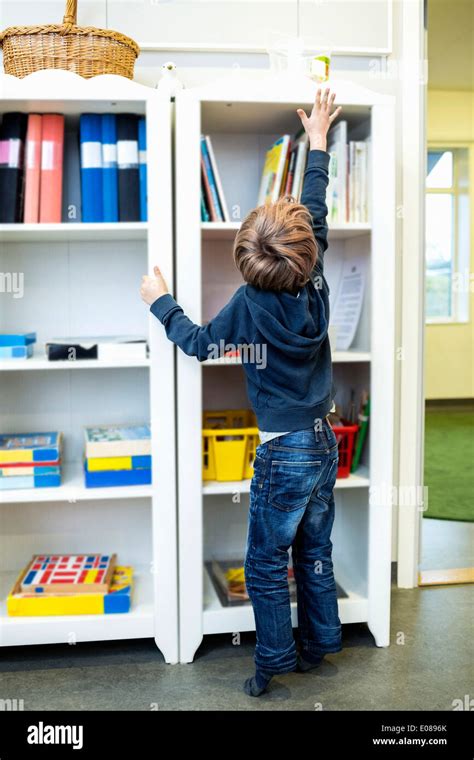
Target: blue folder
[142, 168]
[91, 167]
[109, 167]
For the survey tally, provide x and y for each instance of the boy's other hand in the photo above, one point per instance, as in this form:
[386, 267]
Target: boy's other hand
[317, 124]
[153, 287]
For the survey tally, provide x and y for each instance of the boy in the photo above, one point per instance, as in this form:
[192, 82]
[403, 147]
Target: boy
[284, 308]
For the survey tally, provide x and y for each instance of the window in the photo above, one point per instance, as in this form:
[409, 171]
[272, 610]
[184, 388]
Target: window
[447, 235]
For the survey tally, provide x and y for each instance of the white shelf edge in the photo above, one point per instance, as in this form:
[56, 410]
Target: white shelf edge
[56, 629]
[37, 362]
[75, 231]
[227, 230]
[359, 479]
[72, 490]
[338, 357]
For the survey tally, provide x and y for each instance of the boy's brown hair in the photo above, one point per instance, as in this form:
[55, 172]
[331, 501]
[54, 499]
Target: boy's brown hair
[275, 248]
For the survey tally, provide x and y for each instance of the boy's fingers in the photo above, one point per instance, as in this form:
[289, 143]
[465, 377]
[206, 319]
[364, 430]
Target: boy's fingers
[335, 114]
[326, 95]
[302, 115]
[157, 271]
[332, 98]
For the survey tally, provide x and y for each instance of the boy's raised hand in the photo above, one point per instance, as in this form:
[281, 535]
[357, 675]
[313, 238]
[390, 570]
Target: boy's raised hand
[317, 124]
[153, 287]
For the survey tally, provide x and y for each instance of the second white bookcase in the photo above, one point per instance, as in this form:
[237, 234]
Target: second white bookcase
[243, 117]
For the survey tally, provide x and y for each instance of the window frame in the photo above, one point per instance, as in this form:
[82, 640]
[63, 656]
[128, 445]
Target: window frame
[455, 192]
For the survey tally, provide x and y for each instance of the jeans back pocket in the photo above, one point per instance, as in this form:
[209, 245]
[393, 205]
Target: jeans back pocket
[292, 483]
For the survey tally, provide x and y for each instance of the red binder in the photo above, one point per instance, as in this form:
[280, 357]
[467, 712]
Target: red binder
[52, 146]
[32, 168]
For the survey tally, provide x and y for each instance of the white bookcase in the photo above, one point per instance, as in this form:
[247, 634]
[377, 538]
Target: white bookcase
[243, 117]
[84, 279]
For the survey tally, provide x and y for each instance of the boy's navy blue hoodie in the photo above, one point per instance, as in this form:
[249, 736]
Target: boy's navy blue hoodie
[294, 387]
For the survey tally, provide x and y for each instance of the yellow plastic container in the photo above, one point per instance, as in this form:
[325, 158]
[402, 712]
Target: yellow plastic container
[229, 441]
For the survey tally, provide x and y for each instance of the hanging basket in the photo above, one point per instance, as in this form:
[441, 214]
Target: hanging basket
[83, 49]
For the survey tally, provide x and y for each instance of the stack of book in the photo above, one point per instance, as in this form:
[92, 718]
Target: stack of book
[213, 204]
[30, 460]
[100, 347]
[117, 455]
[17, 345]
[71, 584]
[348, 187]
[55, 171]
[283, 169]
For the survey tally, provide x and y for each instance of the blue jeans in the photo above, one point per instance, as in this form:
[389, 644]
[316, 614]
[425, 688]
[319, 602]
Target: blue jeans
[292, 505]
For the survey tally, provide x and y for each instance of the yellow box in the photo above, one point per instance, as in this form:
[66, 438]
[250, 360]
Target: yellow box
[229, 441]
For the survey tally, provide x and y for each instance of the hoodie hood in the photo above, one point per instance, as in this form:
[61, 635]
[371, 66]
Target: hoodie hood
[296, 325]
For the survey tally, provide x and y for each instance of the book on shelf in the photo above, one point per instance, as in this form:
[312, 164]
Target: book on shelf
[109, 168]
[274, 171]
[30, 448]
[17, 345]
[128, 168]
[12, 153]
[100, 347]
[117, 456]
[117, 440]
[69, 573]
[117, 598]
[30, 460]
[71, 200]
[32, 168]
[212, 193]
[142, 168]
[90, 131]
[51, 176]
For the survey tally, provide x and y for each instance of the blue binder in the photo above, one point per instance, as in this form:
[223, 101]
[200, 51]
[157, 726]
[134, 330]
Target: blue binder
[142, 168]
[109, 168]
[90, 128]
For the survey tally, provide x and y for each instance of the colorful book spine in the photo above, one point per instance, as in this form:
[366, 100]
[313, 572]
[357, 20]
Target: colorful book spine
[99, 464]
[206, 188]
[109, 168]
[209, 174]
[30, 447]
[12, 144]
[217, 179]
[204, 212]
[51, 179]
[40, 479]
[113, 478]
[128, 168]
[32, 168]
[16, 352]
[142, 160]
[90, 130]
[72, 203]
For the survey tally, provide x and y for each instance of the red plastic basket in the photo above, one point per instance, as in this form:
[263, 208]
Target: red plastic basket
[345, 435]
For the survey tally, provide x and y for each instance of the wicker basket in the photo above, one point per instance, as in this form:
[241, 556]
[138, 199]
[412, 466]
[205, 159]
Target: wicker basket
[85, 50]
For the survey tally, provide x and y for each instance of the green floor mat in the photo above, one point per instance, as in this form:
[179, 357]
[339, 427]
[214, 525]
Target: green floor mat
[449, 464]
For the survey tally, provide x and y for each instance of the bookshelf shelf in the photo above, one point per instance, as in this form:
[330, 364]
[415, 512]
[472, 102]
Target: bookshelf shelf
[74, 232]
[83, 279]
[243, 119]
[37, 362]
[227, 230]
[220, 619]
[338, 357]
[357, 479]
[73, 489]
[136, 624]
